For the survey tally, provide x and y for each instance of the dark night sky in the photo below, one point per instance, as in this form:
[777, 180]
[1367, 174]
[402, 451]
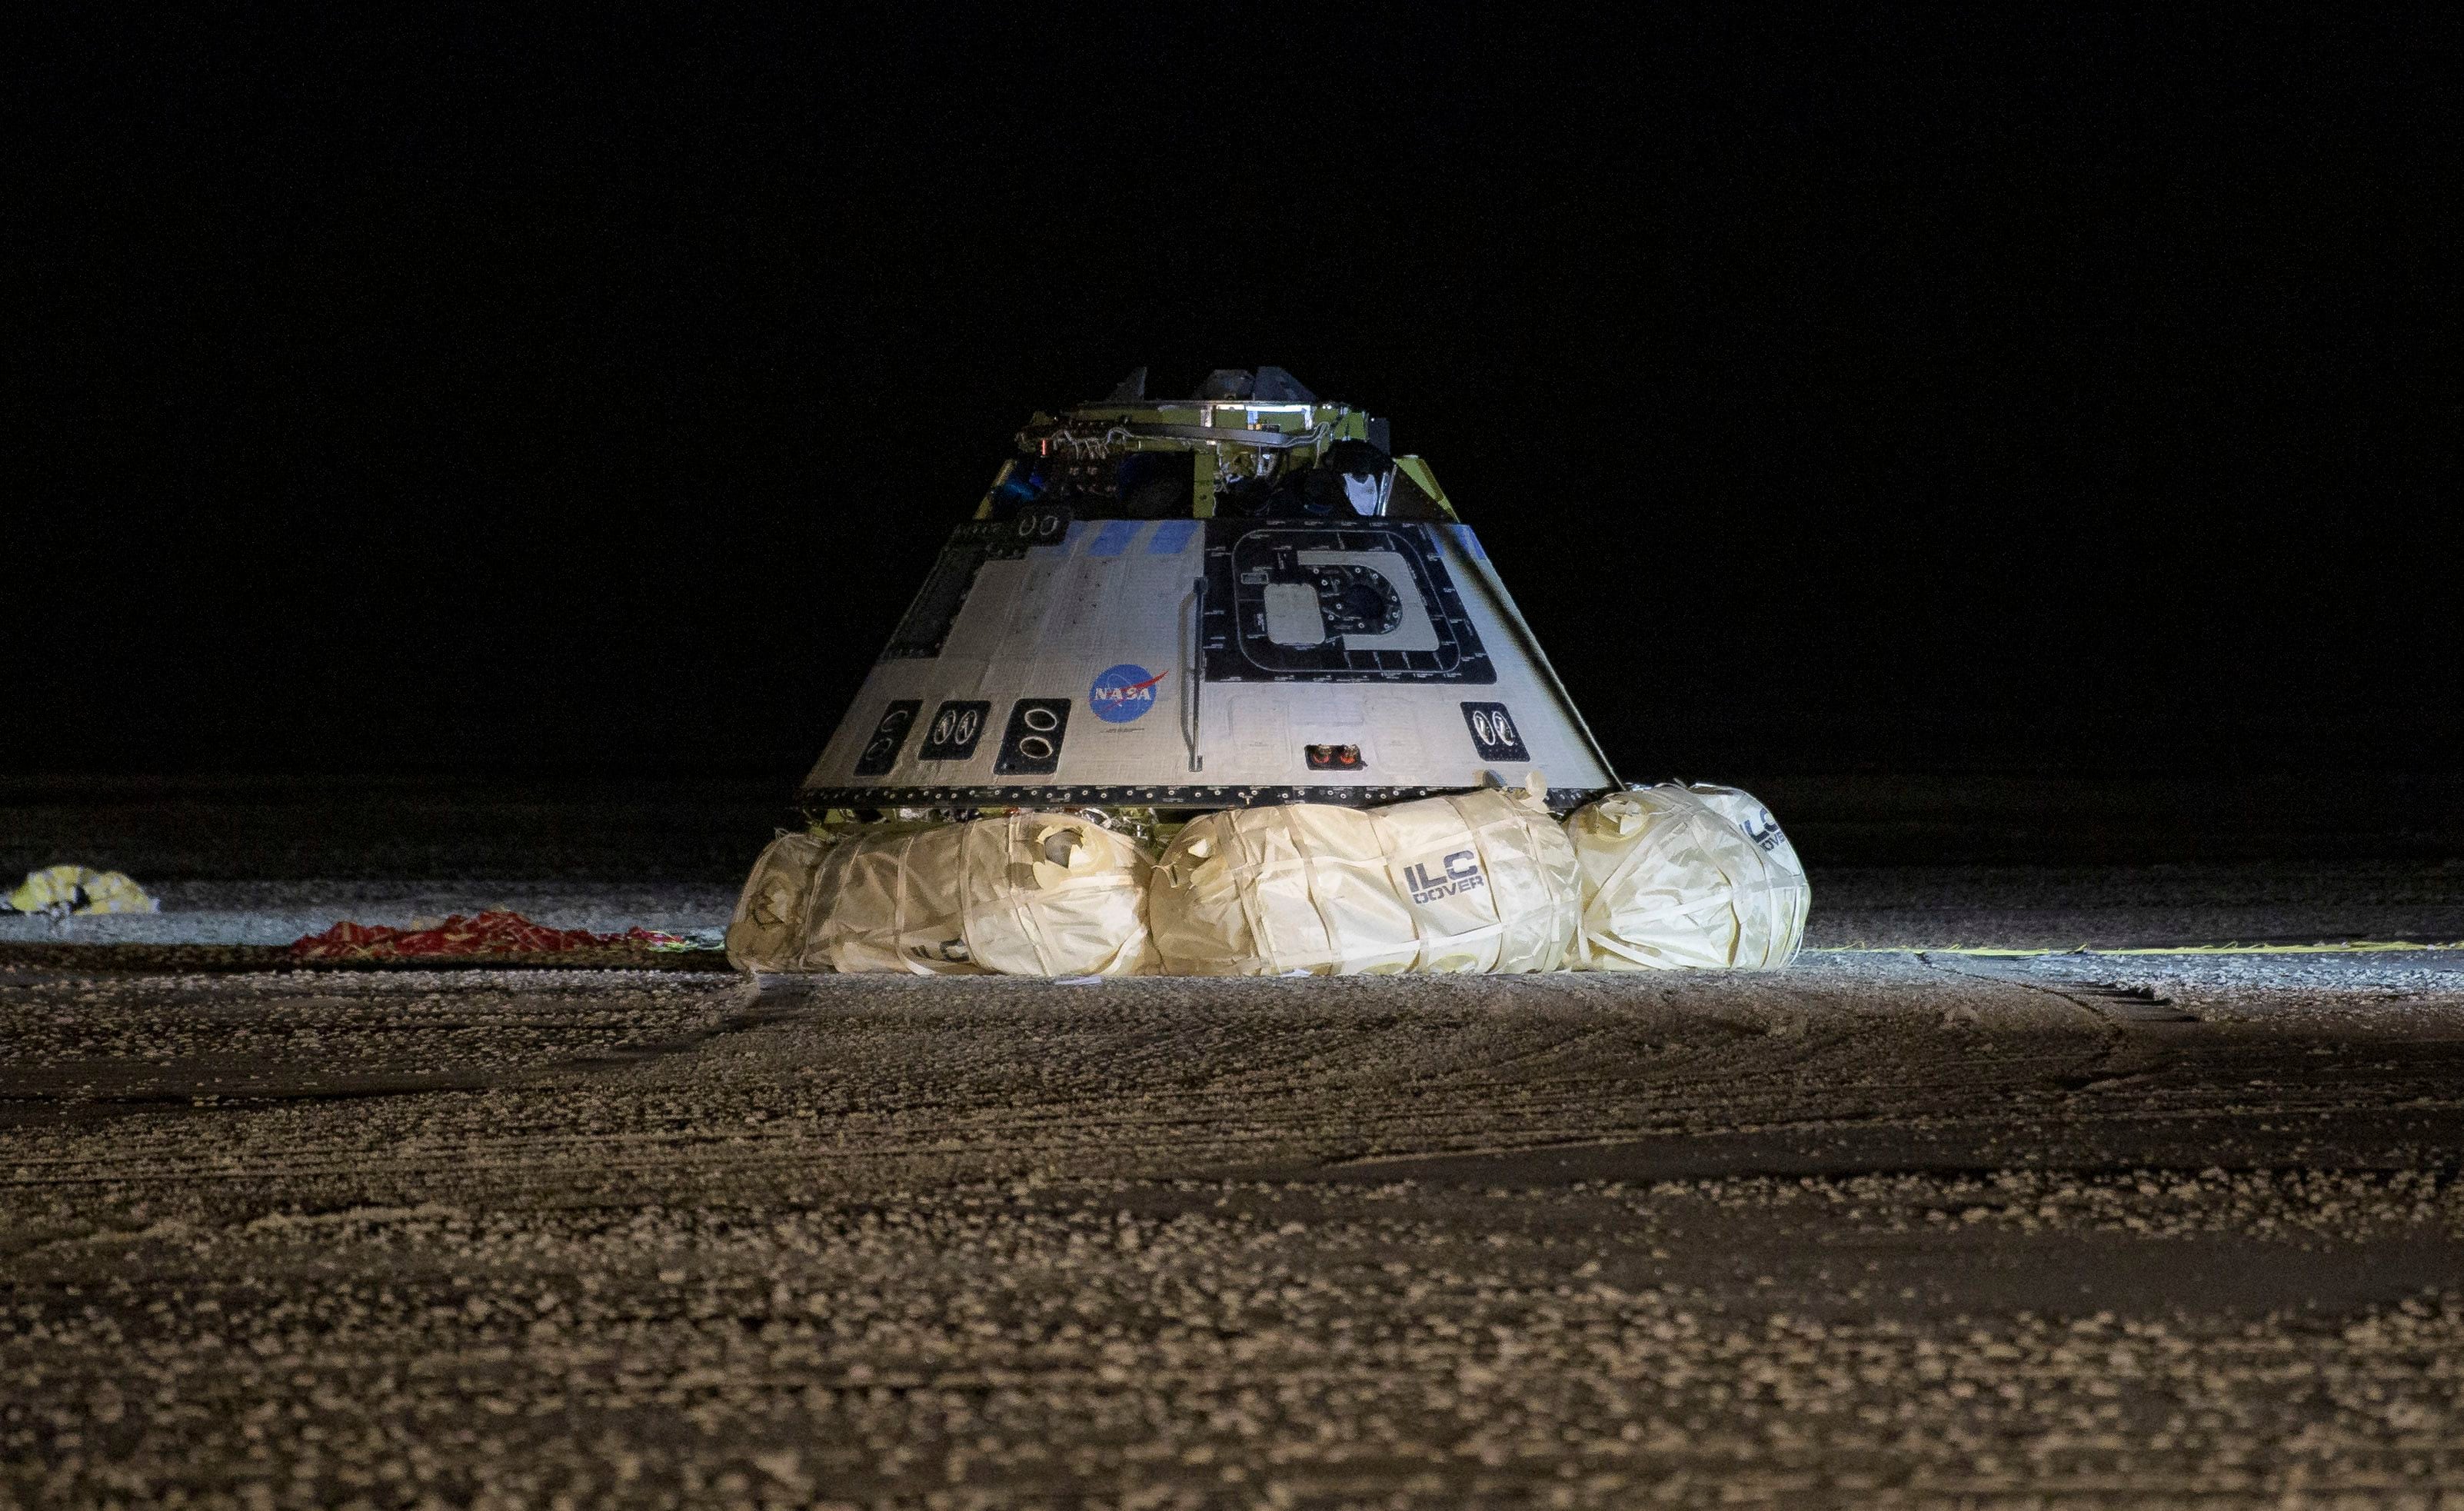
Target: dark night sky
[432, 393]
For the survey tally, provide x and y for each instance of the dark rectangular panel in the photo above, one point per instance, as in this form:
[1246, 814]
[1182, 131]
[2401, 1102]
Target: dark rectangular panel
[936, 608]
[1493, 734]
[1247, 557]
[1031, 745]
[956, 730]
[881, 751]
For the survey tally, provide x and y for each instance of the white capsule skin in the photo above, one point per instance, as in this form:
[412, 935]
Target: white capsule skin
[1206, 664]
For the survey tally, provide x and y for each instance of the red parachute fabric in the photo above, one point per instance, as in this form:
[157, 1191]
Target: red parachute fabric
[494, 933]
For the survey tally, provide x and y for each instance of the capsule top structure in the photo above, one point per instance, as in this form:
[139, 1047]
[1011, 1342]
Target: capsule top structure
[1240, 597]
[1248, 444]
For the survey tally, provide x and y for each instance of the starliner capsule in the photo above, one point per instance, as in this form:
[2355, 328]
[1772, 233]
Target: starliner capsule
[1239, 598]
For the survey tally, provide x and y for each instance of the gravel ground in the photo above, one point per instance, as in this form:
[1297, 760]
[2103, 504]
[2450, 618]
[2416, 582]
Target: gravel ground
[2035, 861]
[1884, 1229]
[1878, 906]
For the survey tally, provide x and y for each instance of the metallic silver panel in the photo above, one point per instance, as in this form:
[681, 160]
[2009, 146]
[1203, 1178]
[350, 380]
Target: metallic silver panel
[1102, 622]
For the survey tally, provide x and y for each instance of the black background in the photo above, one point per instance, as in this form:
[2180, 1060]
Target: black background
[428, 392]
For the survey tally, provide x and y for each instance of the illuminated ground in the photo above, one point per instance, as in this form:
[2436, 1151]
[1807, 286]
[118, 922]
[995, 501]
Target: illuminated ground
[1883, 1229]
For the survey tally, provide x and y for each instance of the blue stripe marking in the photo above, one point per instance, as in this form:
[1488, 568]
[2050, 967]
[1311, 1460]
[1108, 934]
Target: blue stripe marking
[1469, 542]
[1171, 537]
[1114, 536]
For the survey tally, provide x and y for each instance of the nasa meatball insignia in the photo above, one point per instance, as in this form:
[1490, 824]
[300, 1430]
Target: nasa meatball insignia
[1124, 692]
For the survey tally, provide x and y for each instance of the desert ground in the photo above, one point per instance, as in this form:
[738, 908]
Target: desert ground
[1901, 1225]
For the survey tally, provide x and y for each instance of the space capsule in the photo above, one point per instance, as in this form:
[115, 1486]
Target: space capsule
[1238, 599]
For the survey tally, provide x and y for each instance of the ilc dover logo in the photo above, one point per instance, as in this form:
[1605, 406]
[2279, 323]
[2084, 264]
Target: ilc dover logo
[1123, 693]
[1457, 873]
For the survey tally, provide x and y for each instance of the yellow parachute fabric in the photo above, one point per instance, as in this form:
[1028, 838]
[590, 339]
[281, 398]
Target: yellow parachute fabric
[74, 890]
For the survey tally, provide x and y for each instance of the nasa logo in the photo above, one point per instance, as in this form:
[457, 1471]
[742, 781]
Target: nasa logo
[1123, 693]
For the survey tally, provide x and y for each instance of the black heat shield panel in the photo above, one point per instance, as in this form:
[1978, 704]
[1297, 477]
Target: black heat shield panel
[1245, 556]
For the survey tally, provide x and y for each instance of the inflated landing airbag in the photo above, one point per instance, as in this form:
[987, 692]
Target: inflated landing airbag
[1025, 894]
[1677, 877]
[1477, 882]
[1656, 878]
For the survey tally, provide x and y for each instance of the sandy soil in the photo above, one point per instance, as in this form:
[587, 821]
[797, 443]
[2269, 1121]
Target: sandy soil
[1880, 1230]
